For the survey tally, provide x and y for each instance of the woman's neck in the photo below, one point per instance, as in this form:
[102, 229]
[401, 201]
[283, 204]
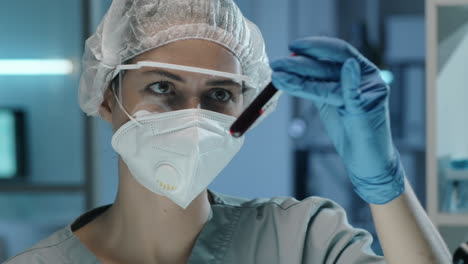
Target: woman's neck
[142, 227]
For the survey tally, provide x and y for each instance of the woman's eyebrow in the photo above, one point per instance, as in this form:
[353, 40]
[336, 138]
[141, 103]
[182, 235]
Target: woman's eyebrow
[223, 83]
[164, 73]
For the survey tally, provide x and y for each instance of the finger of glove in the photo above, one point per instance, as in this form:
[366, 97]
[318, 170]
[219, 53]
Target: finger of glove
[317, 91]
[325, 49]
[350, 82]
[308, 67]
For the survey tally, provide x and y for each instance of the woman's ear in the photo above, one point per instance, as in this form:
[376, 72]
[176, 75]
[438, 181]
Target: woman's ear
[105, 110]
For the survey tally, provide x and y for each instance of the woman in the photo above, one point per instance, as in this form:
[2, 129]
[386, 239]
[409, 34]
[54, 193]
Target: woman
[170, 77]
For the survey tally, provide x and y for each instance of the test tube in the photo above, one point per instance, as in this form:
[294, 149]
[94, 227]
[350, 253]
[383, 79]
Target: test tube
[258, 106]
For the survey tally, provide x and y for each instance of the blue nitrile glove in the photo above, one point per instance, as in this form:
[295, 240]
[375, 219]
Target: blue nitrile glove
[352, 100]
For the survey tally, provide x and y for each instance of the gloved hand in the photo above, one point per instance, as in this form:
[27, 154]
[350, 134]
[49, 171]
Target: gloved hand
[352, 100]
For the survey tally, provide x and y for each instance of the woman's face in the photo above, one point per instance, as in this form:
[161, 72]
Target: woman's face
[162, 90]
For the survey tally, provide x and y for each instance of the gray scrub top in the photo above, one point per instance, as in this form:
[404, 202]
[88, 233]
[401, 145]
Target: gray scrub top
[276, 230]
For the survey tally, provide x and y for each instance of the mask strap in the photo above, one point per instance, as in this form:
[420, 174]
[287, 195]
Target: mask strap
[120, 104]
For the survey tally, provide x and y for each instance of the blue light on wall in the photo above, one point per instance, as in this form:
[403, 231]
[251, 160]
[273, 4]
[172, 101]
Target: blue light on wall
[35, 67]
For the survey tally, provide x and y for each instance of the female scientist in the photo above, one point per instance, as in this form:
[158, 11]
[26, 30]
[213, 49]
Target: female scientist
[170, 76]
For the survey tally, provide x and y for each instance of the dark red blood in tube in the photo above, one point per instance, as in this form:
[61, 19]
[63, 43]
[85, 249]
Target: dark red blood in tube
[253, 111]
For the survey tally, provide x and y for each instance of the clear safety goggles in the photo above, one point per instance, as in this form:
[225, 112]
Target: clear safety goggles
[157, 87]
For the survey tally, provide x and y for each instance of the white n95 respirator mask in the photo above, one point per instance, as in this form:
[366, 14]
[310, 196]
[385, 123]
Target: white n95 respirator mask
[177, 154]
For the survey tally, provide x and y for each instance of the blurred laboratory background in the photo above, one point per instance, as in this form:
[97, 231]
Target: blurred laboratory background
[56, 163]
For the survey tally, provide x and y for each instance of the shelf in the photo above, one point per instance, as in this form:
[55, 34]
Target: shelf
[461, 175]
[451, 219]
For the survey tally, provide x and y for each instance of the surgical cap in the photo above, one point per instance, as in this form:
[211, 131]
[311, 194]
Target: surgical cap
[132, 27]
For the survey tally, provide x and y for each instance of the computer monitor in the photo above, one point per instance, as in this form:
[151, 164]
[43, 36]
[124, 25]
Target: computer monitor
[12, 144]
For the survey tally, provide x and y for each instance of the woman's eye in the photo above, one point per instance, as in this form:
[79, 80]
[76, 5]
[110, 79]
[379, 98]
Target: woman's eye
[221, 95]
[162, 87]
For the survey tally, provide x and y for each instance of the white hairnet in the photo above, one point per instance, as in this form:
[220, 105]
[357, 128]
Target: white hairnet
[132, 27]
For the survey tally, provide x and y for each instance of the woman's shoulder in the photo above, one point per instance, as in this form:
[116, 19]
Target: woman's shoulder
[312, 204]
[62, 246]
[284, 212]
[312, 230]
[45, 251]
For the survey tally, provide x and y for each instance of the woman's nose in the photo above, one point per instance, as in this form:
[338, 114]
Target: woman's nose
[192, 103]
